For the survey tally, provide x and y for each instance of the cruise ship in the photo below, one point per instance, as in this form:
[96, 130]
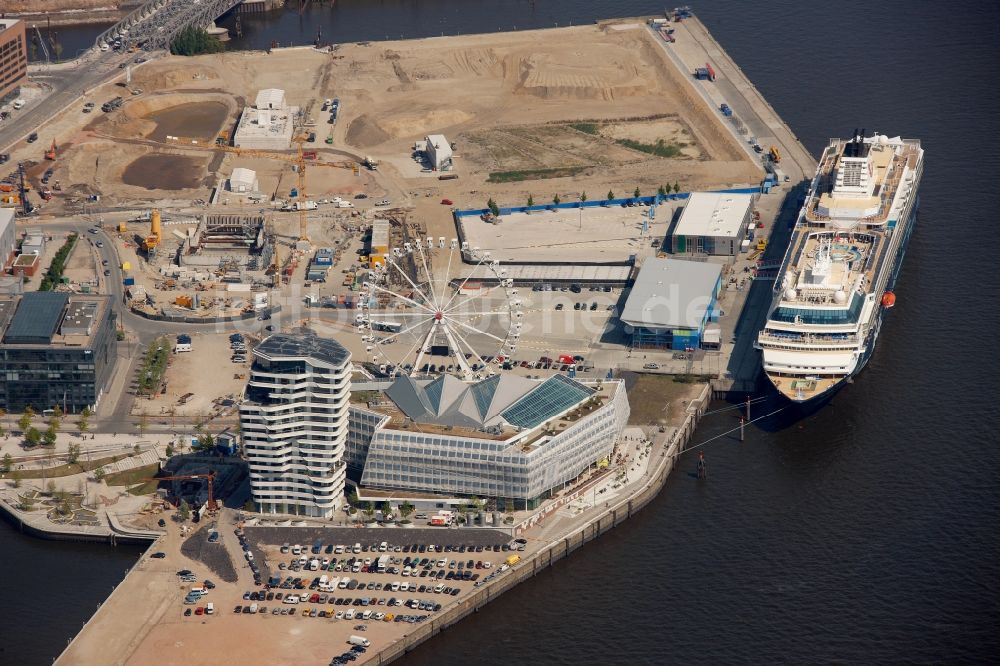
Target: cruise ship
[837, 276]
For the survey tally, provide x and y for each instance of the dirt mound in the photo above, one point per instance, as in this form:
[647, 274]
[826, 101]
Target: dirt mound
[165, 75]
[418, 124]
[364, 132]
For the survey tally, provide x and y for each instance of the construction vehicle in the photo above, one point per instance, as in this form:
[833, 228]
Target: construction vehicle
[759, 250]
[154, 238]
[775, 154]
[50, 154]
[211, 504]
[370, 163]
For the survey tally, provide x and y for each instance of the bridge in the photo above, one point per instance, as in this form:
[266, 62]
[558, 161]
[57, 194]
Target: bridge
[155, 23]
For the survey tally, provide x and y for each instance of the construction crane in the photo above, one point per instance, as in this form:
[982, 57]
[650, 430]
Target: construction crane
[210, 476]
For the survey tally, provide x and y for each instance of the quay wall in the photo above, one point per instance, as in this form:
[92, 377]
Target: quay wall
[534, 563]
[38, 527]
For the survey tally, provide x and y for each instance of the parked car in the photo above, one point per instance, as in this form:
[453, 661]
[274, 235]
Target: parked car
[158, 556]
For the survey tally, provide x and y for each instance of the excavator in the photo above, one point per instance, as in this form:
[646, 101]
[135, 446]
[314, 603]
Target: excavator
[50, 154]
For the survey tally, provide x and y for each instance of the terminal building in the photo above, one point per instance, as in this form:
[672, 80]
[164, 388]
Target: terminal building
[13, 58]
[505, 437]
[294, 423]
[55, 349]
[713, 223]
[267, 124]
[673, 304]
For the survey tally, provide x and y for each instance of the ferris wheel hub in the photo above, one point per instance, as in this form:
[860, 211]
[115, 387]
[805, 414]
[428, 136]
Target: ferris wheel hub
[439, 315]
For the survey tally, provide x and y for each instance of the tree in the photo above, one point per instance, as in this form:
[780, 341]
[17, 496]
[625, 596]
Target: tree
[170, 450]
[368, 510]
[64, 507]
[611, 195]
[99, 474]
[636, 193]
[492, 205]
[206, 442]
[531, 201]
[405, 509]
[25, 421]
[49, 437]
[73, 454]
[17, 479]
[662, 191]
[555, 199]
[183, 511]
[33, 437]
[84, 423]
[386, 511]
[57, 412]
[249, 506]
[142, 424]
[3, 415]
[583, 197]
[677, 187]
[7, 464]
[136, 449]
[193, 41]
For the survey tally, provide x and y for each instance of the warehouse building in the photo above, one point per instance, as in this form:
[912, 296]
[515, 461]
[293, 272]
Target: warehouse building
[268, 124]
[712, 223]
[243, 180]
[378, 246]
[437, 150]
[506, 437]
[672, 303]
[55, 349]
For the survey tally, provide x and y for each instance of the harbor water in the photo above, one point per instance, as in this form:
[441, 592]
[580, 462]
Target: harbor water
[863, 533]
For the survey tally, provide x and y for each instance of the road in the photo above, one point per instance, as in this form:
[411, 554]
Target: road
[66, 83]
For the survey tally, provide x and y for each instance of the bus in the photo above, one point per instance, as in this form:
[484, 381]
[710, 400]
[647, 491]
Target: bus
[387, 326]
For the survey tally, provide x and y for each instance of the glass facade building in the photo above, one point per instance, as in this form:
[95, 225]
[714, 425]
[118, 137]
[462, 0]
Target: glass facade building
[580, 427]
[55, 349]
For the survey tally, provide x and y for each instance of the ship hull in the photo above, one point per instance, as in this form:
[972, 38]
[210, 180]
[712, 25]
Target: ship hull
[821, 398]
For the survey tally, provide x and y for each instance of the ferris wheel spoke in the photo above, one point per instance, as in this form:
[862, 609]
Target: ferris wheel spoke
[405, 330]
[473, 329]
[402, 298]
[430, 280]
[472, 350]
[407, 278]
[409, 351]
[462, 286]
[463, 364]
[473, 298]
[447, 272]
[425, 346]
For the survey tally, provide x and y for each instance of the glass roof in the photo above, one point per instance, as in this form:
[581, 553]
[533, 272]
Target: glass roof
[555, 395]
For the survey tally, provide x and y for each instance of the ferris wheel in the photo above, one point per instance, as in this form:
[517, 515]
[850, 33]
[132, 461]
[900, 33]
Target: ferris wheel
[414, 320]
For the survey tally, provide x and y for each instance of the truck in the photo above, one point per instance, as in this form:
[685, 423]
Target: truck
[359, 640]
[309, 154]
[726, 111]
[382, 564]
[775, 154]
[706, 73]
[370, 163]
[512, 560]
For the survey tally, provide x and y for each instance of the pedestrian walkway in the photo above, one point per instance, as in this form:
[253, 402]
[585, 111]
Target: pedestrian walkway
[132, 462]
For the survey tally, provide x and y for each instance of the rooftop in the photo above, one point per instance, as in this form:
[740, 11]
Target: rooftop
[714, 214]
[671, 293]
[50, 318]
[282, 345]
[270, 98]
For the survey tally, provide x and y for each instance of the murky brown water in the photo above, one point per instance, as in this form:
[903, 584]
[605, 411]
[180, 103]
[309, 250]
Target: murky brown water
[196, 120]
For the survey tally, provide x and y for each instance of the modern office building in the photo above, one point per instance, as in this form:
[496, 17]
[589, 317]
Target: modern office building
[55, 349]
[712, 223]
[294, 423]
[506, 437]
[671, 304]
[13, 57]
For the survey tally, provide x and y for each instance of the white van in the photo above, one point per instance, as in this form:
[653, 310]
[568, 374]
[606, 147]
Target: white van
[349, 615]
[290, 599]
[209, 608]
[296, 549]
[382, 547]
[253, 608]
[357, 548]
[359, 640]
[18, 103]
[314, 565]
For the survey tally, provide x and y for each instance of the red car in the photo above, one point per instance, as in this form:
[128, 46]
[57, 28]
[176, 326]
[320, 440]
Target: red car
[447, 202]
[199, 610]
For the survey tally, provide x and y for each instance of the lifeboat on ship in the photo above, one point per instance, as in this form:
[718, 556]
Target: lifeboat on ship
[888, 299]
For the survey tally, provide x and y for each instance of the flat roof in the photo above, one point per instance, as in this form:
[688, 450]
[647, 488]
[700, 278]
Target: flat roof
[592, 235]
[37, 318]
[713, 214]
[671, 293]
[270, 98]
[289, 345]
[552, 273]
